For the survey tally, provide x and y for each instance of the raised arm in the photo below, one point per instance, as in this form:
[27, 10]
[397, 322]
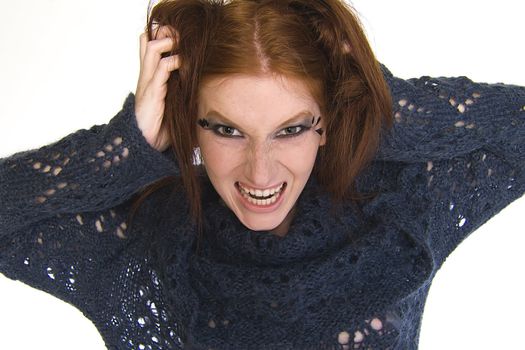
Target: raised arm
[64, 210]
[88, 170]
[454, 158]
[64, 225]
[442, 118]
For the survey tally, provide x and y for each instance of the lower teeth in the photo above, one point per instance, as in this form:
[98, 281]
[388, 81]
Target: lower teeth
[267, 201]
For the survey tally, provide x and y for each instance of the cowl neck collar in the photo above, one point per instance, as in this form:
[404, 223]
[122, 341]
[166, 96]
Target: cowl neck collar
[313, 232]
[329, 273]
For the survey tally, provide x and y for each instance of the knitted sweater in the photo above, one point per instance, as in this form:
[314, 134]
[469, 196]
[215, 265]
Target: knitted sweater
[354, 278]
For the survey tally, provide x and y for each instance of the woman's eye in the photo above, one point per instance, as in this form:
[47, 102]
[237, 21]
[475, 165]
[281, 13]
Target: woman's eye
[292, 131]
[224, 130]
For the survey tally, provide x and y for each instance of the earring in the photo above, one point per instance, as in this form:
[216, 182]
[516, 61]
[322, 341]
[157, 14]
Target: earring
[197, 157]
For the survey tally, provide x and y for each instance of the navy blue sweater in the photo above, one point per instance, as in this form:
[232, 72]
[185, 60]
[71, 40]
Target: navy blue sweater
[357, 279]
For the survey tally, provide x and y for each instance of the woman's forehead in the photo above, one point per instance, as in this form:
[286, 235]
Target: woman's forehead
[243, 98]
[277, 83]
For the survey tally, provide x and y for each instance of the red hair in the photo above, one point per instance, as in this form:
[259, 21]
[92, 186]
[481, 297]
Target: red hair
[320, 42]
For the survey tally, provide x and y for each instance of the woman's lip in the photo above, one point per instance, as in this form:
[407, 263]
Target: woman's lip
[262, 208]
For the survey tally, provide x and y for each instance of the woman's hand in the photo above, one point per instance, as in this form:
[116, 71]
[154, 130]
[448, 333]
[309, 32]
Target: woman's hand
[152, 86]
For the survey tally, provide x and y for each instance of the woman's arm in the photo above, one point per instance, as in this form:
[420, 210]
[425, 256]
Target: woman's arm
[85, 69]
[58, 204]
[64, 209]
[476, 292]
[88, 170]
[442, 118]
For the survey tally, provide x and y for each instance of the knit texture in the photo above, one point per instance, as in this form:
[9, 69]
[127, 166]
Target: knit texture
[352, 278]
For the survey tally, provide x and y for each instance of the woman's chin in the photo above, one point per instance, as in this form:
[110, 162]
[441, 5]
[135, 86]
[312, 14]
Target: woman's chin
[270, 222]
[260, 225]
[270, 218]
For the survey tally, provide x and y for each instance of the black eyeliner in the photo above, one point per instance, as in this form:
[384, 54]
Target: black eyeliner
[214, 127]
[304, 128]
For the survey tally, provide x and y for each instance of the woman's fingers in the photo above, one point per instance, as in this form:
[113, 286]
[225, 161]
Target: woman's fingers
[157, 84]
[164, 69]
[144, 40]
[151, 90]
[151, 51]
[158, 33]
[152, 64]
[152, 56]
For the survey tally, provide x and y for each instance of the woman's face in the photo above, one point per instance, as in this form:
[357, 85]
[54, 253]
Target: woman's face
[259, 137]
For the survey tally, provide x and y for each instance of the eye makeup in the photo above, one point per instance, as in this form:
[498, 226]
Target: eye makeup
[203, 123]
[219, 129]
[293, 131]
[315, 122]
[286, 132]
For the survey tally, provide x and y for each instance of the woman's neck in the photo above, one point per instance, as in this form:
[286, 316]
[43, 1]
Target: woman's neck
[282, 229]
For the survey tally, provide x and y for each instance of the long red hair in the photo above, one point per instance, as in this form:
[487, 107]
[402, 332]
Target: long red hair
[320, 42]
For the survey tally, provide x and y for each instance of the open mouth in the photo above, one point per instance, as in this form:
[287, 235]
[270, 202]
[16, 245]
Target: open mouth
[261, 197]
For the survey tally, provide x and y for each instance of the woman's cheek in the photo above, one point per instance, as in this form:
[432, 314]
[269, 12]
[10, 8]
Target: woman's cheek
[298, 156]
[220, 156]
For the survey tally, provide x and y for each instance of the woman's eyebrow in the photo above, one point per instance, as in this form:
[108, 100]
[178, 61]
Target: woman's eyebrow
[303, 115]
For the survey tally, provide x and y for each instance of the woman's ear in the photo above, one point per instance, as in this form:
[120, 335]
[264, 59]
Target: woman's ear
[321, 130]
[323, 138]
[346, 47]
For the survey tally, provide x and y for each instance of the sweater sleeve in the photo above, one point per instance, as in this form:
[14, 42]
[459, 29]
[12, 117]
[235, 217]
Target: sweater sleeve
[441, 118]
[454, 158]
[85, 171]
[64, 207]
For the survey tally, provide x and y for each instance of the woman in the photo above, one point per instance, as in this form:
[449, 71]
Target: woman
[368, 243]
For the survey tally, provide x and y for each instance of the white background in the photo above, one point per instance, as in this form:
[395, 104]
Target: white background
[66, 65]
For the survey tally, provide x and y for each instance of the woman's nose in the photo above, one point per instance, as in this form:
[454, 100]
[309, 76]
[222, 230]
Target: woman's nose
[260, 166]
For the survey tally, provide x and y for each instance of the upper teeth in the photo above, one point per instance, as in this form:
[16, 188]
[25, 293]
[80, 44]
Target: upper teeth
[261, 193]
